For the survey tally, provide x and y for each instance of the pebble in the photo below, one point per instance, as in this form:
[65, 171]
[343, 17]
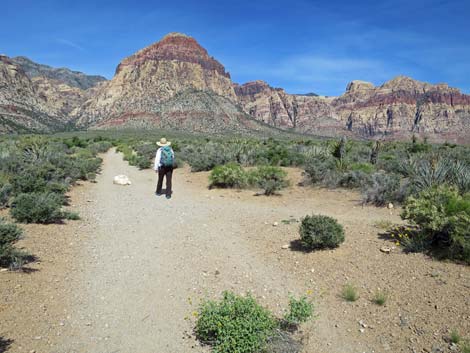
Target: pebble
[285, 246]
[275, 224]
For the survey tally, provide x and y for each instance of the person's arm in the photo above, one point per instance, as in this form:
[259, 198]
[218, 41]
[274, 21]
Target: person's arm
[158, 158]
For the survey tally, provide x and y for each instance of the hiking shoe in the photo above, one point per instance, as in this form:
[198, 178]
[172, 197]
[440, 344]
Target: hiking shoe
[168, 197]
[158, 194]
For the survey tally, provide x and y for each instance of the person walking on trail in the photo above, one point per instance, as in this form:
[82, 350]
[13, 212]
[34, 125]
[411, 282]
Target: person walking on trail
[164, 164]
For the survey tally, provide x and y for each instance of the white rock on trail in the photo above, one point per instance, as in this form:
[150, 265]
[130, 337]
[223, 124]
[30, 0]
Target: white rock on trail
[121, 180]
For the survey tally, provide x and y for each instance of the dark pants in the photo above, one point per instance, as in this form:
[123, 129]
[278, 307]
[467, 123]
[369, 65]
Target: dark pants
[168, 173]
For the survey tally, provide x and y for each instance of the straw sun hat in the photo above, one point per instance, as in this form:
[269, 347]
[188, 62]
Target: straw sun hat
[163, 142]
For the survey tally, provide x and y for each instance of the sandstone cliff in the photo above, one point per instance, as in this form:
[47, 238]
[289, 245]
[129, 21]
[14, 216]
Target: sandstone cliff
[22, 108]
[154, 75]
[397, 109]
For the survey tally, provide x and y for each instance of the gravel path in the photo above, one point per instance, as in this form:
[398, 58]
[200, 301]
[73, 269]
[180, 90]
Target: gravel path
[150, 260]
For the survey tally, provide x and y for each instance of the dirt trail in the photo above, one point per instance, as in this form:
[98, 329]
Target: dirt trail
[141, 264]
[149, 258]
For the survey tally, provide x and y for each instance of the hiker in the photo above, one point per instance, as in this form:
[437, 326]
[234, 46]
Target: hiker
[164, 163]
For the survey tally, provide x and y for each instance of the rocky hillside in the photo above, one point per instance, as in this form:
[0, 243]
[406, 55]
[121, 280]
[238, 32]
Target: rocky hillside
[22, 107]
[62, 75]
[396, 110]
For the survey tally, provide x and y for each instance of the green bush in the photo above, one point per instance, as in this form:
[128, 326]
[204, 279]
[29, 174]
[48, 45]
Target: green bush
[443, 218]
[5, 193]
[9, 256]
[230, 175]
[37, 208]
[384, 188]
[319, 169]
[319, 232]
[270, 179]
[300, 310]
[234, 324]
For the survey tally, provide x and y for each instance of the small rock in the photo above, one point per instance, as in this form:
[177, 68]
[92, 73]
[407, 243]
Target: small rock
[285, 246]
[385, 249]
[362, 330]
[390, 206]
[275, 224]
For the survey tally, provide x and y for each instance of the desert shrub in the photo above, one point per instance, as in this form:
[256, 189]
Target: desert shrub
[9, 234]
[319, 232]
[234, 324]
[384, 188]
[319, 168]
[354, 179]
[37, 208]
[443, 218]
[349, 293]
[362, 167]
[300, 310]
[206, 156]
[270, 179]
[230, 175]
[5, 193]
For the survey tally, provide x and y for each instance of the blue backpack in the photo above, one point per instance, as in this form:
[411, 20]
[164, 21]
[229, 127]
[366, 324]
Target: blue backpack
[167, 159]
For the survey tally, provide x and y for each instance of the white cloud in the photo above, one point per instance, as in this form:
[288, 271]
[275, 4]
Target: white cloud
[71, 44]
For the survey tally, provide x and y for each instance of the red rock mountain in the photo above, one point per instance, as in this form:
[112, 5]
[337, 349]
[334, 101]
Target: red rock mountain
[175, 83]
[396, 110]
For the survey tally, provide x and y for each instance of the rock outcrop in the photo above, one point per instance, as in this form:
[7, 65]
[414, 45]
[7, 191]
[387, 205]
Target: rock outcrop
[396, 110]
[22, 108]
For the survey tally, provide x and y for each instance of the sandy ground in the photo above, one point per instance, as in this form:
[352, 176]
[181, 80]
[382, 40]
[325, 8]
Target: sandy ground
[130, 274]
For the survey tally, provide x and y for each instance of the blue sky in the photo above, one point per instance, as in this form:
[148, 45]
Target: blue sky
[302, 46]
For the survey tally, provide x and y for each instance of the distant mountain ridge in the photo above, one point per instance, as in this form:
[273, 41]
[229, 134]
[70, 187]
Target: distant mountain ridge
[71, 78]
[175, 83]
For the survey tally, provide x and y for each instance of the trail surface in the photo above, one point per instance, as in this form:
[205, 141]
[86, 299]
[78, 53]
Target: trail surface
[150, 260]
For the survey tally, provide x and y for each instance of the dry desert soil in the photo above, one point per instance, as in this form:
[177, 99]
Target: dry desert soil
[129, 275]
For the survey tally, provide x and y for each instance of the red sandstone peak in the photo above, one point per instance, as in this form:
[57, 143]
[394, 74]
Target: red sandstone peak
[179, 47]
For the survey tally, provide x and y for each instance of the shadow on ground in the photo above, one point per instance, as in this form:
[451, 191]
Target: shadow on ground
[4, 344]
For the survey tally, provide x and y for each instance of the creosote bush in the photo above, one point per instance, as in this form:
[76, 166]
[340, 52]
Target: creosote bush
[230, 175]
[300, 310]
[320, 232]
[442, 216]
[234, 324]
[9, 256]
[37, 208]
[239, 324]
[270, 179]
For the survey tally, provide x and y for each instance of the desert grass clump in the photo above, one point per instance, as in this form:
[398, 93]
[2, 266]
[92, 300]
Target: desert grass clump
[300, 310]
[455, 337]
[320, 232]
[380, 298]
[465, 347]
[349, 293]
[230, 175]
[234, 324]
